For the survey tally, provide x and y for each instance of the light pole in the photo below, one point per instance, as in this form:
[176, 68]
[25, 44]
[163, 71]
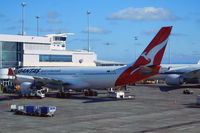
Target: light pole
[37, 17]
[88, 13]
[23, 5]
[135, 38]
[169, 51]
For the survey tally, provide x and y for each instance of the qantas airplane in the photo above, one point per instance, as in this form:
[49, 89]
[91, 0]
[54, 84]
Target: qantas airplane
[178, 74]
[79, 78]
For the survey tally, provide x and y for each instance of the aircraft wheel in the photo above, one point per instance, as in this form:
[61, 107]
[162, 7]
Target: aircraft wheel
[67, 95]
[63, 95]
[95, 93]
[58, 95]
[86, 93]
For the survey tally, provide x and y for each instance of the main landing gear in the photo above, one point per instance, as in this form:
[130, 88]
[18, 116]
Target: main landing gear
[90, 93]
[62, 93]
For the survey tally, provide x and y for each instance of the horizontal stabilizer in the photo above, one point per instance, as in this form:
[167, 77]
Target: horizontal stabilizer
[145, 70]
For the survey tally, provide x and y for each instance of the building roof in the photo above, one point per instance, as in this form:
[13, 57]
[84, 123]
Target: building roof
[25, 39]
[108, 63]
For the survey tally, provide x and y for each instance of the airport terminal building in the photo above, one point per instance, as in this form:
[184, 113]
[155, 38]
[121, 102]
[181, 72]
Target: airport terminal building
[30, 51]
[50, 50]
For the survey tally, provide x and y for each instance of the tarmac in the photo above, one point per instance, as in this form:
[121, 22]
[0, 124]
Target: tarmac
[155, 109]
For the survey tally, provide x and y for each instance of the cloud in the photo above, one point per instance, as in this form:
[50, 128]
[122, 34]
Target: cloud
[149, 32]
[140, 14]
[52, 17]
[114, 23]
[2, 15]
[96, 30]
[85, 40]
[52, 14]
[179, 34]
[195, 52]
[11, 28]
[53, 29]
[54, 21]
[153, 32]
[195, 13]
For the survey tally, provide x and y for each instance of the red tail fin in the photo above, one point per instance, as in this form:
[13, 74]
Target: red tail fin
[10, 72]
[151, 57]
[153, 53]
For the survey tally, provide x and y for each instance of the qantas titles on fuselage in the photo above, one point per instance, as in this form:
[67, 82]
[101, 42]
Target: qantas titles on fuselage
[29, 70]
[35, 71]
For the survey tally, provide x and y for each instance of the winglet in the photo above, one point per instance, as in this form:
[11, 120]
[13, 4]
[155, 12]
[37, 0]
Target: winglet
[148, 64]
[10, 72]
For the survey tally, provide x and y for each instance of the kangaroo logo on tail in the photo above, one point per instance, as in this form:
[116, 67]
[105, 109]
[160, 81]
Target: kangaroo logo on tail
[150, 59]
[152, 53]
[150, 56]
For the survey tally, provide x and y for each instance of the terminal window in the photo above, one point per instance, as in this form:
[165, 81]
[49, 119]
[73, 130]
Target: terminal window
[55, 58]
[10, 54]
[57, 38]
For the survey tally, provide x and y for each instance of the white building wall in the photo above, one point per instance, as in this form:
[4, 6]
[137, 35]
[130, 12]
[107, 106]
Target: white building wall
[31, 58]
[37, 64]
[4, 74]
[85, 57]
[26, 39]
[0, 54]
[34, 46]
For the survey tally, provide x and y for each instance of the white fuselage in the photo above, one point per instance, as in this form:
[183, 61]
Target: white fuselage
[74, 77]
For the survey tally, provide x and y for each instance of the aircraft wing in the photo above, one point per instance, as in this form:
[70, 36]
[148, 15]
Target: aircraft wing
[46, 80]
[195, 73]
[66, 82]
[191, 71]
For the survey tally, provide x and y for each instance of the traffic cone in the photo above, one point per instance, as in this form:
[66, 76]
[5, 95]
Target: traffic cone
[8, 105]
[24, 99]
[174, 101]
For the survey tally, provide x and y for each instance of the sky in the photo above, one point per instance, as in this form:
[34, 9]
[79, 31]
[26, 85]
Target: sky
[119, 29]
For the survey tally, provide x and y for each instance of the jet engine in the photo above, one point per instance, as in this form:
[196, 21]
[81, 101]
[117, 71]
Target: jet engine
[174, 79]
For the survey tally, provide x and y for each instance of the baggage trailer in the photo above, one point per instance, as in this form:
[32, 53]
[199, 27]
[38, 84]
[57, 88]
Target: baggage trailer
[13, 108]
[47, 111]
[30, 110]
[20, 110]
[34, 110]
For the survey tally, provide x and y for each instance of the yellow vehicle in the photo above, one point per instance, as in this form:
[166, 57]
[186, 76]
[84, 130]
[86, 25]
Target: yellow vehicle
[18, 88]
